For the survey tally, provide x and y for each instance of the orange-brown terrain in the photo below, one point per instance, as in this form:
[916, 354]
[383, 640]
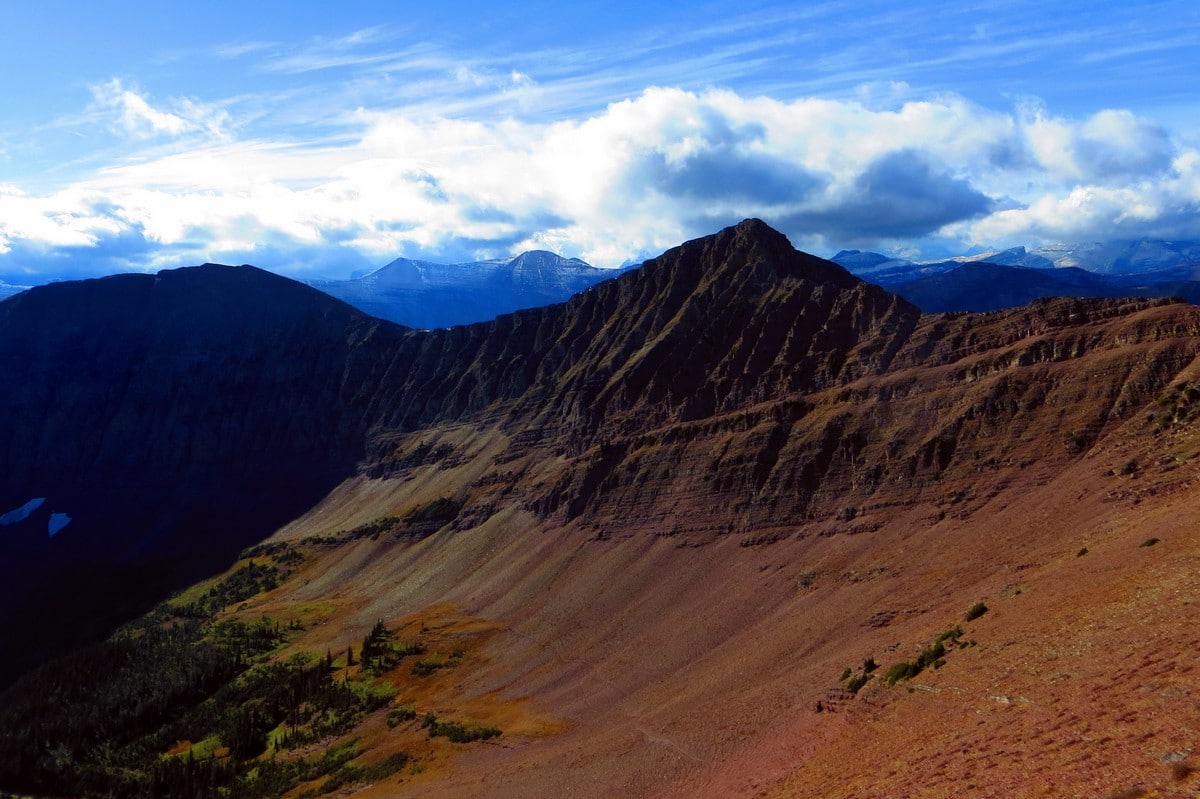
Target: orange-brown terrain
[655, 527]
[674, 574]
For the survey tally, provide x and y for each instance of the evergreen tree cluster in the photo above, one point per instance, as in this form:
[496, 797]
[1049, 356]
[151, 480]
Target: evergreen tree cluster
[379, 652]
[100, 721]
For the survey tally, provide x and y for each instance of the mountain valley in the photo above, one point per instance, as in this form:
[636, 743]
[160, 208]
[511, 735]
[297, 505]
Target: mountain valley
[735, 523]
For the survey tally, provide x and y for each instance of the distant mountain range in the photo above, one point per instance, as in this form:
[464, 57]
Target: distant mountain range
[7, 290]
[1008, 278]
[428, 295]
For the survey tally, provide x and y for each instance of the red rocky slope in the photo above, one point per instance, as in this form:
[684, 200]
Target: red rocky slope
[685, 553]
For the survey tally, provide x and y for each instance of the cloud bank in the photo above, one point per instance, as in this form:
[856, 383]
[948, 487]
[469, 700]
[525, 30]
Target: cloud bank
[612, 186]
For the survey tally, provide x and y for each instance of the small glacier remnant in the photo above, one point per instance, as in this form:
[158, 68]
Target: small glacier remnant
[57, 522]
[21, 513]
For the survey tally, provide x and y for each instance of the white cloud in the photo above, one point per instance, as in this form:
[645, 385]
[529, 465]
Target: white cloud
[138, 117]
[639, 176]
[1109, 147]
[66, 219]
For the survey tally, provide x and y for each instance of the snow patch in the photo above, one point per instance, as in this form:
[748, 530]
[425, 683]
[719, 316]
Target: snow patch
[22, 513]
[57, 522]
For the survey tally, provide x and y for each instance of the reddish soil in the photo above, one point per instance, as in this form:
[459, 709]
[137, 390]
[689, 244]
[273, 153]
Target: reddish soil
[672, 590]
[671, 668]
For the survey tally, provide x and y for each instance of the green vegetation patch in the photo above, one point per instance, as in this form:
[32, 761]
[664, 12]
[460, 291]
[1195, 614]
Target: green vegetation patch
[459, 732]
[435, 662]
[932, 655]
[97, 722]
[252, 579]
[399, 715]
[350, 773]
[442, 509]
[381, 653]
[855, 682]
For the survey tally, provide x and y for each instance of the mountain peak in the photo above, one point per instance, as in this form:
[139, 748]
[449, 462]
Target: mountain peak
[758, 252]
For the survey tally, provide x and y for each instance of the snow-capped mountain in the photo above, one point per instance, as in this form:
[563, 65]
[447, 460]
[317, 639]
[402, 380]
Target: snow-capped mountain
[1124, 257]
[1181, 258]
[1014, 256]
[424, 294]
[1007, 278]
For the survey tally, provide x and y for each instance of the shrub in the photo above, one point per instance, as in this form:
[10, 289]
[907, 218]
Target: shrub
[442, 509]
[1083, 551]
[1074, 442]
[901, 671]
[932, 655]
[461, 733]
[398, 716]
[977, 610]
[427, 666]
[953, 634]
[857, 682]
[1149, 542]
[929, 654]
[386, 768]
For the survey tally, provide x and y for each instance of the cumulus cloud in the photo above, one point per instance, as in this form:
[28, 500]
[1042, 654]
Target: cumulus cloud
[899, 195]
[1115, 146]
[641, 175]
[1110, 147]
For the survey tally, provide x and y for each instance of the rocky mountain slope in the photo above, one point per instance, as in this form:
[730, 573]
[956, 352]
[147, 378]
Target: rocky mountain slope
[428, 295]
[669, 523]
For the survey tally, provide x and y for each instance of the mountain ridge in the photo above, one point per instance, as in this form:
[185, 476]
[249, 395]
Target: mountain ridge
[694, 334]
[232, 382]
[682, 502]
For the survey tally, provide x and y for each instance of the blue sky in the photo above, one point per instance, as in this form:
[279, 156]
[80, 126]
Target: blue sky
[319, 138]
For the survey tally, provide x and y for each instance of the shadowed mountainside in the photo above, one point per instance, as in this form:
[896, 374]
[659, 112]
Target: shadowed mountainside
[175, 419]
